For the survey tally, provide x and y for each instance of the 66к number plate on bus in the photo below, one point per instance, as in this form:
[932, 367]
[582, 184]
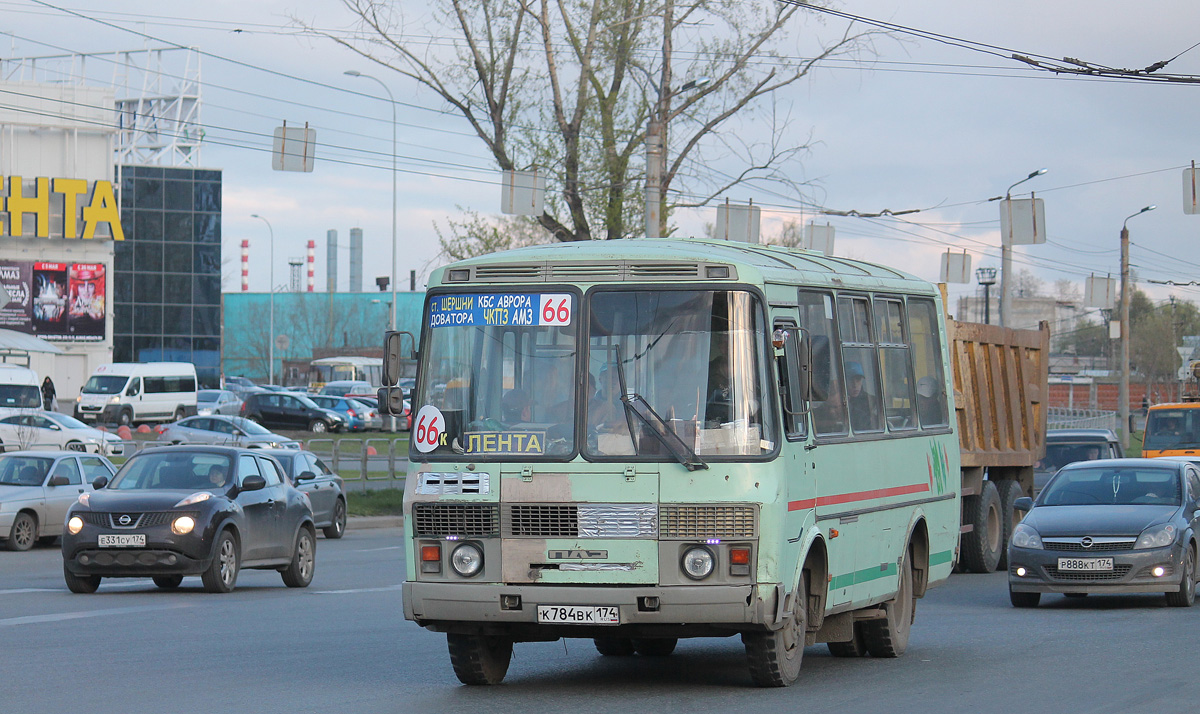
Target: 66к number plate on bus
[575, 615]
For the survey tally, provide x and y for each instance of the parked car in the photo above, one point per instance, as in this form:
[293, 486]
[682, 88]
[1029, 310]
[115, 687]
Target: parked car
[403, 421]
[194, 510]
[1065, 446]
[342, 387]
[217, 401]
[359, 416]
[224, 431]
[128, 392]
[37, 488]
[45, 430]
[325, 489]
[291, 411]
[1109, 526]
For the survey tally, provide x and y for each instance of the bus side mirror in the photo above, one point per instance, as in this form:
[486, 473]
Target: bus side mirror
[391, 401]
[394, 356]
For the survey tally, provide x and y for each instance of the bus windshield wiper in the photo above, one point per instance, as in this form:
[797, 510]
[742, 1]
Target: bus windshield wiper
[636, 404]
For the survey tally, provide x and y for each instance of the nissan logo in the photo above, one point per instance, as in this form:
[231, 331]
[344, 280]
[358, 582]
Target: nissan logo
[1086, 542]
[126, 520]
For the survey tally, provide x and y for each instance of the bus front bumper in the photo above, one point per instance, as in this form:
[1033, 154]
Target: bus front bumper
[647, 610]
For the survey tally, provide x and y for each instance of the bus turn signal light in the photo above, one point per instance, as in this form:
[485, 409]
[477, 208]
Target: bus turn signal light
[431, 559]
[739, 556]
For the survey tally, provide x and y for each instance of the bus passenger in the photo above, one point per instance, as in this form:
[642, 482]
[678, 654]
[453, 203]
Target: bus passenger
[864, 409]
[516, 407]
[929, 405]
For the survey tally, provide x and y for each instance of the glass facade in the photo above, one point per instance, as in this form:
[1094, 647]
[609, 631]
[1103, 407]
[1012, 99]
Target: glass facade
[167, 271]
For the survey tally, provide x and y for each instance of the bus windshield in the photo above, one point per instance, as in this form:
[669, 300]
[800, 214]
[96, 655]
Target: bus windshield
[505, 377]
[1173, 429]
[694, 356]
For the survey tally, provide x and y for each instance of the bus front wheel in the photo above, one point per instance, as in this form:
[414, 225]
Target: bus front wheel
[479, 659]
[775, 657]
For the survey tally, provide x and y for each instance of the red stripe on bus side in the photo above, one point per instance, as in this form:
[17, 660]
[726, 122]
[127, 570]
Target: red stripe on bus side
[859, 496]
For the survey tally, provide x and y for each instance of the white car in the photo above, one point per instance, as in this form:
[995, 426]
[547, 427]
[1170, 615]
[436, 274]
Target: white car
[48, 430]
[37, 488]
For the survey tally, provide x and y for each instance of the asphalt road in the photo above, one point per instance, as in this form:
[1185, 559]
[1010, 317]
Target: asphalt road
[342, 645]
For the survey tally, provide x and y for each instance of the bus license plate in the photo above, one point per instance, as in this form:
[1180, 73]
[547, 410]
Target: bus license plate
[1086, 564]
[574, 615]
[123, 540]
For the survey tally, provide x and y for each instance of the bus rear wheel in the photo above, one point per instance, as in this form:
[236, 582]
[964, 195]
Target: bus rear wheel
[888, 636]
[775, 657]
[479, 659]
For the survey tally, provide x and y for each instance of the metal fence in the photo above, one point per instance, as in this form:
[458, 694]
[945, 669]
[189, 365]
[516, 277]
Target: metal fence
[1064, 418]
[368, 463]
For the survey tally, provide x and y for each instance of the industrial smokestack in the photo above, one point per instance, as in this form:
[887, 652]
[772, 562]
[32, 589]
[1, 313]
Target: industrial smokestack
[356, 260]
[245, 266]
[312, 259]
[331, 250]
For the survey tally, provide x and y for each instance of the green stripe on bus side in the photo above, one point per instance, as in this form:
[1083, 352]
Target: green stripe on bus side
[868, 574]
[861, 576]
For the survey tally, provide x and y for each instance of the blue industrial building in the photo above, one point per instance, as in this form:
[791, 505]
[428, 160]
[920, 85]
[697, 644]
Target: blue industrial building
[308, 326]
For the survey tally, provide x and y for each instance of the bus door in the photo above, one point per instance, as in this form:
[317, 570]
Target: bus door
[800, 488]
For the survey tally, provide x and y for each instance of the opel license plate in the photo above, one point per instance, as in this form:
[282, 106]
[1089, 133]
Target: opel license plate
[122, 540]
[576, 615]
[1086, 564]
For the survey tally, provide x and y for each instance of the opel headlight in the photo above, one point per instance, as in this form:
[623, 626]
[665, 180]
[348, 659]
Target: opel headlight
[698, 563]
[1024, 536]
[198, 497]
[1159, 536]
[467, 560]
[74, 525]
[183, 525]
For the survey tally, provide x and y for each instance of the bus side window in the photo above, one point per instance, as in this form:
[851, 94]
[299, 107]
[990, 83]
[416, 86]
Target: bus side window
[827, 404]
[795, 425]
[927, 363]
[894, 359]
[859, 364]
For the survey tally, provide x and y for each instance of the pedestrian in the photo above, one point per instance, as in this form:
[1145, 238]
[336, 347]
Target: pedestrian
[49, 396]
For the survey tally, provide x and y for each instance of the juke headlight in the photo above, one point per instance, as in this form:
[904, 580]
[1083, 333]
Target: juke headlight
[183, 525]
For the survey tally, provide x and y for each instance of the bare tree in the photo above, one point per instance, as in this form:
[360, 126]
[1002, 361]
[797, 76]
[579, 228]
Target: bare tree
[573, 86]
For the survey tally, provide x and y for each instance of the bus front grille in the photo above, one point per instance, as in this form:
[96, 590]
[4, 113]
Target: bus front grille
[542, 521]
[477, 520]
[706, 521]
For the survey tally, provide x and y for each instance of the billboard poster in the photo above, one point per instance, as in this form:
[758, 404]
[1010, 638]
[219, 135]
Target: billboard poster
[54, 301]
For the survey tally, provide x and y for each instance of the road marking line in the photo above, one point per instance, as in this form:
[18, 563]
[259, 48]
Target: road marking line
[19, 591]
[376, 550]
[353, 591]
[63, 616]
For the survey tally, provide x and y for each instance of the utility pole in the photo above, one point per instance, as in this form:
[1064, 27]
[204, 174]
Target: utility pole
[1123, 390]
[1006, 257]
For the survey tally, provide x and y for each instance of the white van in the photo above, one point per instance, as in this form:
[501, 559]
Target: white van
[20, 390]
[128, 392]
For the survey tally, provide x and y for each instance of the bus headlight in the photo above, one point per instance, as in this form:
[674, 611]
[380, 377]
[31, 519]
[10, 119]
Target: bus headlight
[75, 525]
[698, 563]
[467, 560]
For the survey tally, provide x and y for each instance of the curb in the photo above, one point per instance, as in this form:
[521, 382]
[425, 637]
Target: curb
[354, 523]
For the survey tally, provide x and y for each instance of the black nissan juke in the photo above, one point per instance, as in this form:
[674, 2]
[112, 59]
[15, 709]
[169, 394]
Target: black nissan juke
[176, 511]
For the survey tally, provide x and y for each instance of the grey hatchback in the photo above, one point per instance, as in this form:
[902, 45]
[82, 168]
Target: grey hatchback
[325, 489]
[1111, 526]
[223, 431]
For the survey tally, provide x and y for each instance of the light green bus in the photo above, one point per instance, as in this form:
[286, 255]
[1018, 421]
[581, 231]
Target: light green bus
[641, 440]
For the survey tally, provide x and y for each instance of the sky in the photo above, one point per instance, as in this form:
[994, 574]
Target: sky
[914, 124]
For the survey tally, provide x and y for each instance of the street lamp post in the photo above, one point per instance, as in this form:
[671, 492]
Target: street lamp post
[1006, 258]
[986, 278]
[271, 320]
[392, 310]
[1123, 391]
[656, 154]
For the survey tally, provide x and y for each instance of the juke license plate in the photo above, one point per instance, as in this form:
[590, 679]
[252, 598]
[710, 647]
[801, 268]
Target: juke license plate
[122, 540]
[1099, 565]
[578, 615]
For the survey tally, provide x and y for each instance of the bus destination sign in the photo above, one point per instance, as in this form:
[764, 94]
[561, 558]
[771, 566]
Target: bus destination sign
[501, 310]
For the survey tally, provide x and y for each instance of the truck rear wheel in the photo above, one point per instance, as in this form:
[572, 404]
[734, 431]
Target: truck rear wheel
[1009, 492]
[479, 659]
[981, 547]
